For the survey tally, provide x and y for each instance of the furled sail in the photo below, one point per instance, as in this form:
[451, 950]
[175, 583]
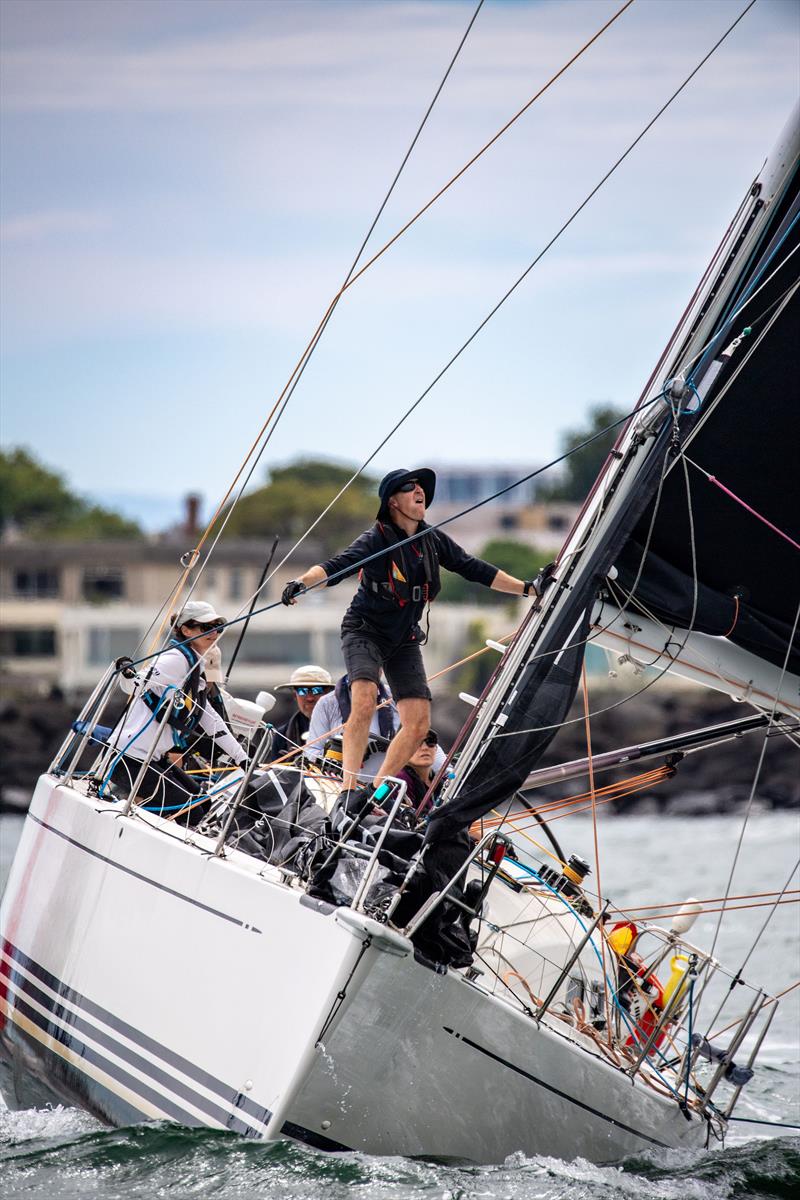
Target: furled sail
[706, 564]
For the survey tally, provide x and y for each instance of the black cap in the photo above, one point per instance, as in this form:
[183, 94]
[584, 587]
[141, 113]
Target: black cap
[392, 483]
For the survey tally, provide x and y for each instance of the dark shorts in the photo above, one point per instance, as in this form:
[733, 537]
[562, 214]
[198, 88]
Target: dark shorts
[402, 665]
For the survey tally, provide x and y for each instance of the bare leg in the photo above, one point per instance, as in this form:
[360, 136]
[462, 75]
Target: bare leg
[415, 721]
[363, 698]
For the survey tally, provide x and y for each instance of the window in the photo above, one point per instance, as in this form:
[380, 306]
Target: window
[38, 585]
[235, 584]
[509, 521]
[557, 521]
[28, 643]
[103, 583]
[107, 645]
[291, 648]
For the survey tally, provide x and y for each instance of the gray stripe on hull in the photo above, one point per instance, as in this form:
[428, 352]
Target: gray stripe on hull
[225, 1092]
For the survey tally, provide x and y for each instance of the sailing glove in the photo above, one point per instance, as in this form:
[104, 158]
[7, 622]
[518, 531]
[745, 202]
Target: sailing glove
[542, 581]
[125, 667]
[293, 588]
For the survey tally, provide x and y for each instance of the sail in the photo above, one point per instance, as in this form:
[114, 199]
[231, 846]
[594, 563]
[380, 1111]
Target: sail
[710, 564]
[748, 575]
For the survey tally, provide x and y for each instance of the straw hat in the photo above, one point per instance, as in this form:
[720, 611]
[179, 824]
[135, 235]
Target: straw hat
[309, 676]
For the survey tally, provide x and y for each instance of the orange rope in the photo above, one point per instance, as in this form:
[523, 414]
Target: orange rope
[735, 617]
[723, 908]
[712, 900]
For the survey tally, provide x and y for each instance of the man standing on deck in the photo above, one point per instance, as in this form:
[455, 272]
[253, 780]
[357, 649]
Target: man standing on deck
[381, 627]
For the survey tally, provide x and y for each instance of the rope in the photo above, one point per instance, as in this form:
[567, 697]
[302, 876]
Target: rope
[421, 533]
[305, 357]
[756, 777]
[350, 278]
[528, 269]
[717, 483]
[708, 900]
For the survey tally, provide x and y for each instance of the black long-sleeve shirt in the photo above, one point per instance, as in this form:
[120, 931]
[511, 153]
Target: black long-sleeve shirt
[378, 614]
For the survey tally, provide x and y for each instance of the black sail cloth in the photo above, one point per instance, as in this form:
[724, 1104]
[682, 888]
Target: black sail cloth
[545, 693]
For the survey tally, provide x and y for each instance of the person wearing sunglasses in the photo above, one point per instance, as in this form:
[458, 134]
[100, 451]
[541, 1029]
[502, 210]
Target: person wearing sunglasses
[381, 628]
[420, 771]
[308, 685]
[174, 681]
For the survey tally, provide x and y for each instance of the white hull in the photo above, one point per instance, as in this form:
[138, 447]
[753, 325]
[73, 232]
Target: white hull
[145, 979]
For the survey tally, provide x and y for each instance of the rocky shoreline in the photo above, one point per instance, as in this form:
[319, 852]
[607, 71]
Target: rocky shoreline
[717, 780]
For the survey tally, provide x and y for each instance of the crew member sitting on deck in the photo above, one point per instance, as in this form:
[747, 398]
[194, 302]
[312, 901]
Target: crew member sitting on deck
[175, 681]
[309, 684]
[419, 772]
[381, 627]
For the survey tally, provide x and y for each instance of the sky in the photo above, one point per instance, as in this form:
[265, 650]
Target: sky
[185, 184]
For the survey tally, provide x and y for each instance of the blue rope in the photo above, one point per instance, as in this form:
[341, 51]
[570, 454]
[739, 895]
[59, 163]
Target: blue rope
[170, 688]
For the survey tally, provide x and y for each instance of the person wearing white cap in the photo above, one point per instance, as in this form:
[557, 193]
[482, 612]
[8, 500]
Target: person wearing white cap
[309, 684]
[176, 674]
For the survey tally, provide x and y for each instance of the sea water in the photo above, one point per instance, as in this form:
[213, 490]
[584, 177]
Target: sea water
[61, 1154]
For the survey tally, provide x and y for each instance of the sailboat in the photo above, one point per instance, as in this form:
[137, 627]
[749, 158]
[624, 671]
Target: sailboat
[473, 997]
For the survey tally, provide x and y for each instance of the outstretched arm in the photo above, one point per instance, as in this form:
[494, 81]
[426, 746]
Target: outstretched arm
[340, 566]
[503, 582]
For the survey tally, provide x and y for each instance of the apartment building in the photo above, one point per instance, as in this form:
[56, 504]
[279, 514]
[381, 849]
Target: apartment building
[67, 609]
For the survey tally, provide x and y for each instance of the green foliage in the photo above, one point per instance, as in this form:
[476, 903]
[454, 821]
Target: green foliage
[516, 558]
[581, 468]
[294, 497]
[39, 502]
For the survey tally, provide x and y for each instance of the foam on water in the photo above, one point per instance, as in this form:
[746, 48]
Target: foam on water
[62, 1153]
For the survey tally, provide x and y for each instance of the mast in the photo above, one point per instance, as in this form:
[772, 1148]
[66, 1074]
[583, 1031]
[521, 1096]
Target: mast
[547, 650]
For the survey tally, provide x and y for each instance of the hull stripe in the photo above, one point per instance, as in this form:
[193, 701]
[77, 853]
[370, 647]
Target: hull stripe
[63, 1021]
[317, 1140]
[83, 1053]
[225, 1092]
[557, 1091]
[162, 887]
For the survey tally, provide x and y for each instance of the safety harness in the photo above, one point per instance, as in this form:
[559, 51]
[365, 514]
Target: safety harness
[186, 707]
[390, 575]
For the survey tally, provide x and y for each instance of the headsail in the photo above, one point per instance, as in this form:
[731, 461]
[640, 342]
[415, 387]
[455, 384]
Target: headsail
[636, 503]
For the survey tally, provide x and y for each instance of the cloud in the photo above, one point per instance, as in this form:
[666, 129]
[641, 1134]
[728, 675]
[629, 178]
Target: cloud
[53, 224]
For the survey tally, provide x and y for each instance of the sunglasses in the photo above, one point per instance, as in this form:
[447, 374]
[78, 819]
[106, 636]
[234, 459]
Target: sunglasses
[430, 739]
[317, 690]
[409, 486]
[206, 627]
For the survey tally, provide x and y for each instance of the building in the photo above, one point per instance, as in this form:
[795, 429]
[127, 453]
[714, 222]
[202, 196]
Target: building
[68, 609]
[516, 514]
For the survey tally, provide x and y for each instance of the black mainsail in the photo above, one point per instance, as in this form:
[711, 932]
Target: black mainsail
[697, 564]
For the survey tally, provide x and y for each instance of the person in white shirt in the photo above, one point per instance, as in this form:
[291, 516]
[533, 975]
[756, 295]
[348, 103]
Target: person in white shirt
[175, 681]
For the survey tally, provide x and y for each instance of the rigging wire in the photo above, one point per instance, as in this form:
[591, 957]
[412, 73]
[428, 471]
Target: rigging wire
[754, 785]
[737, 978]
[285, 396]
[523, 276]
[719, 484]
[302, 362]
[430, 528]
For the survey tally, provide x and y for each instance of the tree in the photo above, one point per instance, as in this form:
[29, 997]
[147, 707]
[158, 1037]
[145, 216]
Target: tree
[581, 469]
[294, 497]
[516, 558]
[40, 504]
